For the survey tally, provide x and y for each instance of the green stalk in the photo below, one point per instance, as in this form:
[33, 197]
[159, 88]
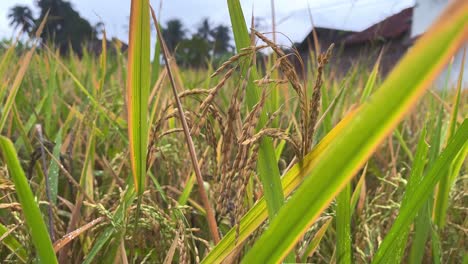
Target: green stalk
[343, 226]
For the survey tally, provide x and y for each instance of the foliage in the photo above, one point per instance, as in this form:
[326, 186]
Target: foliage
[21, 17]
[173, 33]
[124, 189]
[207, 44]
[65, 27]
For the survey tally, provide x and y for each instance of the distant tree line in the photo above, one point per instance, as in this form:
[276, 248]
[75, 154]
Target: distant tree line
[68, 31]
[207, 45]
[65, 28]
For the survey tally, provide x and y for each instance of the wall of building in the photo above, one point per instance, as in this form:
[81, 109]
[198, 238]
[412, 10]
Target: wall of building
[424, 13]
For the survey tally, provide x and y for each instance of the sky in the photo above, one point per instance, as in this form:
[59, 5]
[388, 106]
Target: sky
[292, 16]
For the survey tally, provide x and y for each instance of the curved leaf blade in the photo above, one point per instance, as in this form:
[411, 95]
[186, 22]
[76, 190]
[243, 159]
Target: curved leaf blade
[378, 116]
[32, 214]
[138, 85]
[424, 189]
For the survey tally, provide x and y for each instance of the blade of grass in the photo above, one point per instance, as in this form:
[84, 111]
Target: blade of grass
[422, 226]
[53, 172]
[185, 195]
[356, 196]
[436, 246]
[372, 79]
[423, 221]
[445, 185]
[343, 210]
[47, 182]
[281, 145]
[50, 93]
[101, 241]
[21, 129]
[6, 59]
[343, 226]
[28, 126]
[103, 62]
[457, 144]
[11, 243]
[183, 198]
[398, 248]
[114, 230]
[326, 105]
[403, 144]
[138, 85]
[375, 120]
[156, 65]
[313, 245]
[39, 234]
[87, 177]
[115, 120]
[19, 77]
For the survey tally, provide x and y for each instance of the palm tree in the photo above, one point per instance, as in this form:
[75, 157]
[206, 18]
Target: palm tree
[193, 52]
[222, 37]
[204, 30]
[65, 27]
[173, 33]
[99, 28]
[21, 17]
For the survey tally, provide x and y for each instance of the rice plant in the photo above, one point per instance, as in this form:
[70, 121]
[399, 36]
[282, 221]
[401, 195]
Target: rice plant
[114, 158]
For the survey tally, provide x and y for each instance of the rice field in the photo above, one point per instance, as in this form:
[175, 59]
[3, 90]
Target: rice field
[120, 159]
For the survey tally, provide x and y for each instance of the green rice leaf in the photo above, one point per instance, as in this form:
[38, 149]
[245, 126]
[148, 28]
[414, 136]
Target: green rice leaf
[445, 184]
[421, 193]
[138, 86]
[266, 165]
[377, 117]
[32, 214]
[398, 248]
[11, 243]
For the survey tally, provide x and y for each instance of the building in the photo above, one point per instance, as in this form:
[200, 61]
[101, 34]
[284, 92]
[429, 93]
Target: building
[394, 35]
[391, 34]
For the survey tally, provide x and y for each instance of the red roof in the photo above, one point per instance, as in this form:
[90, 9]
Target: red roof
[391, 27]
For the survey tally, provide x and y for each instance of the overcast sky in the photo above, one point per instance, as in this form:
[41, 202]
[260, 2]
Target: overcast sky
[292, 16]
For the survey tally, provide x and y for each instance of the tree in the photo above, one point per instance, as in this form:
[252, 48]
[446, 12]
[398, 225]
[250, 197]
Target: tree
[173, 33]
[99, 28]
[21, 17]
[204, 29]
[193, 52]
[221, 36]
[65, 27]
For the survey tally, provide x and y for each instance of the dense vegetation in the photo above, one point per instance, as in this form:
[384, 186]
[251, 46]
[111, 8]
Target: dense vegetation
[102, 163]
[66, 30]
